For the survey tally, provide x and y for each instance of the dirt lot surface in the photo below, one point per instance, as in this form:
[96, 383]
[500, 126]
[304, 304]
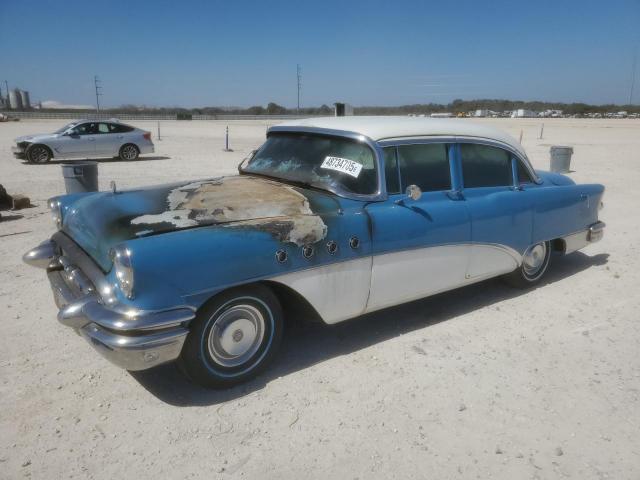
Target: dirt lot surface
[482, 382]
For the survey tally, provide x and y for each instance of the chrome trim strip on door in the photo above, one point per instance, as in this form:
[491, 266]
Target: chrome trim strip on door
[389, 142]
[317, 292]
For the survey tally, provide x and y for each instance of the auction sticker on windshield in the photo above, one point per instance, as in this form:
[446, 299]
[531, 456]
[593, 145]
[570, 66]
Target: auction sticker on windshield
[343, 165]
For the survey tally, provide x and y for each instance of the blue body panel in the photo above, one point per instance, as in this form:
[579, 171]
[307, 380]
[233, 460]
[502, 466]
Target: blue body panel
[434, 219]
[187, 265]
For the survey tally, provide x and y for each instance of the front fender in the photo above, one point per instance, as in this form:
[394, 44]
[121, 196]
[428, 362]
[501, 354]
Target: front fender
[197, 263]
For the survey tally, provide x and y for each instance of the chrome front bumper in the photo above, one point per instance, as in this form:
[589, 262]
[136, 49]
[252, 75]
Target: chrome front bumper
[131, 339]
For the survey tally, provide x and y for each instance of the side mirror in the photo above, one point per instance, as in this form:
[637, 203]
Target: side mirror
[71, 134]
[414, 192]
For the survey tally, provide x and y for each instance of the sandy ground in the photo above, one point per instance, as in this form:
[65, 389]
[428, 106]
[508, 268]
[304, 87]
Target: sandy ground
[482, 382]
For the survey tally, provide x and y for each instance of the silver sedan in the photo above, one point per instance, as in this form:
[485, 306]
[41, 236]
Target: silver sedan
[83, 139]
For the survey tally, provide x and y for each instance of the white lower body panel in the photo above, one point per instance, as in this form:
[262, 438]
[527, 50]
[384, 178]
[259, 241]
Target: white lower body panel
[408, 275]
[338, 291]
[344, 290]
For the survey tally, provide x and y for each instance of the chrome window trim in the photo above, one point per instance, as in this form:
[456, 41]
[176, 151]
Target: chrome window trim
[463, 139]
[381, 191]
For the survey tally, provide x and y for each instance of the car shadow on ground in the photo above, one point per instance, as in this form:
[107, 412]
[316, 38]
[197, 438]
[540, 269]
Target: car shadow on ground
[4, 217]
[306, 344]
[98, 160]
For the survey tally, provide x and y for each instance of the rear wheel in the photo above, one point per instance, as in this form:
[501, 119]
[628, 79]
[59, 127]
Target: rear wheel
[233, 337]
[535, 262]
[38, 154]
[129, 152]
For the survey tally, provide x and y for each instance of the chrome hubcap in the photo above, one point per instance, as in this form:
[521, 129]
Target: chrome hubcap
[129, 153]
[534, 258]
[236, 335]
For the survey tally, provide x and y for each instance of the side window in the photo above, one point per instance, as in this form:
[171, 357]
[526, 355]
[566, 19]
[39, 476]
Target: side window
[523, 174]
[119, 128]
[425, 165]
[391, 170]
[86, 129]
[485, 166]
[104, 128]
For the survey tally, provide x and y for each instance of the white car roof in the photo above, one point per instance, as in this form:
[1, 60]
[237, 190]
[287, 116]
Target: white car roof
[383, 128]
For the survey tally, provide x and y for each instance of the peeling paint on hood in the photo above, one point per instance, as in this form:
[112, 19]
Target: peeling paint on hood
[99, 221]
[240, 201]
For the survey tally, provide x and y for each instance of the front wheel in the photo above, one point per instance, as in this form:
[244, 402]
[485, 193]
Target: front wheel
[129, 152]
[38, 154]
[233, 337]
[535, 262]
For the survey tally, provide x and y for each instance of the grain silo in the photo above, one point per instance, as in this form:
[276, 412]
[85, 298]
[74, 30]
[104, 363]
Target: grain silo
[26, 102]
[15, 100]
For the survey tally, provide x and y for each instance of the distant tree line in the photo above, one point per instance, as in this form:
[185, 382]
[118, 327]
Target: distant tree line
[456, 106]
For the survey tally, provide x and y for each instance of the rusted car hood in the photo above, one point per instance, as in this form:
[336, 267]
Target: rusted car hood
[97, 222]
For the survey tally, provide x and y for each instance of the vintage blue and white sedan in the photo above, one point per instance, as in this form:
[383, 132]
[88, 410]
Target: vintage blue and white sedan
[341, 215]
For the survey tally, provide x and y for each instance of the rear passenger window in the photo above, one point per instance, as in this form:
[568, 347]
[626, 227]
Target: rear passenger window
[119, 128]
[426, 166]
[391, 170]
[103, 128]
[485, 166]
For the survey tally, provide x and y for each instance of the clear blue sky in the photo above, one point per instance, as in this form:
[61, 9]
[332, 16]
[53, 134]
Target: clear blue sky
[207, 53]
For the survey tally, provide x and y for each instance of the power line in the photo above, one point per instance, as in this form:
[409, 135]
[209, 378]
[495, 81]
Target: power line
[96, 83]
[633, 75]
[299, 77]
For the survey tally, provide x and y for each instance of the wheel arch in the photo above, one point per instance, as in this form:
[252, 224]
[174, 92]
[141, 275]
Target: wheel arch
[295, 307]
[126, 144]
[38, 144]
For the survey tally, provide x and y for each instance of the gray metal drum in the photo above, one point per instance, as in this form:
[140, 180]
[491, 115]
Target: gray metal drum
[80, 177]
[561, 158]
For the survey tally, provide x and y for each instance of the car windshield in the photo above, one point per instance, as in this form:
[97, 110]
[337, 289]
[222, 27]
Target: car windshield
[329, 163]
[65, 128]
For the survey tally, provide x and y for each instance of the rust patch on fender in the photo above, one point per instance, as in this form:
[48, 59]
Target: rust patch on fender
[241, 201]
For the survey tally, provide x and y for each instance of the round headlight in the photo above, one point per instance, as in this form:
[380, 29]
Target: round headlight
[56, 212]
[123, 270]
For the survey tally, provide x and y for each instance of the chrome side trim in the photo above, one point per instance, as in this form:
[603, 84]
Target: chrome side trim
[397, 141]
[381, 193]
[334, 290]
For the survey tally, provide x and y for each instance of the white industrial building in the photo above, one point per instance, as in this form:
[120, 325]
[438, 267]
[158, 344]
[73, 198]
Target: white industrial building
[16, 99]
[523, 113]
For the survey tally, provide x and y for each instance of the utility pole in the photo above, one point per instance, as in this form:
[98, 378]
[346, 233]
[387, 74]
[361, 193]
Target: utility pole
[299, 77]
[96, 83]
[633, 75]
